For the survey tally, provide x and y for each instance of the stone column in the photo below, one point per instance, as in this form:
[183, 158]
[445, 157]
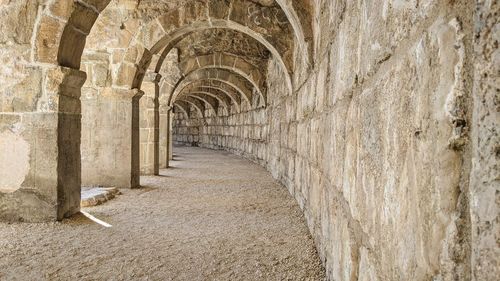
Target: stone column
[149, 125]
[164, 135]
[170, 136]
[40, 148]
[136, 139]
[110, 138]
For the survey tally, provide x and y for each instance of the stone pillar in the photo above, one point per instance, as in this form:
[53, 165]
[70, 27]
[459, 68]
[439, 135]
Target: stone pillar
[110, 138]
[170, 136]
[136, 140]
[164, 135]
[149, 125]
[40, 148]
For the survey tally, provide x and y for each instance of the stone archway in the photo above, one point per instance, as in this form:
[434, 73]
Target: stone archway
[50, 128]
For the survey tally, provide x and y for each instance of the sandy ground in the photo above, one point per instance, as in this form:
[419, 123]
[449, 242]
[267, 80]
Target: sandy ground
[213, 216]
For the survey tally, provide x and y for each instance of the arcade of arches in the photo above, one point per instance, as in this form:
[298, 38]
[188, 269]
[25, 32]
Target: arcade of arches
[380, 118]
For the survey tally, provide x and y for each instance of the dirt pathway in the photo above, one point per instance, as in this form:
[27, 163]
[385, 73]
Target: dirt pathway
[213, 216]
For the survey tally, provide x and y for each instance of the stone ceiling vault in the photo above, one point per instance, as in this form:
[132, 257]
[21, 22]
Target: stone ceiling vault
[138, 35]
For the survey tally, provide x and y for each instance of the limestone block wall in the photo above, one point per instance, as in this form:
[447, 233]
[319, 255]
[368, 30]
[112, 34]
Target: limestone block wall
[375, 140]
[106, 146]
[485, 140]
[243, 134]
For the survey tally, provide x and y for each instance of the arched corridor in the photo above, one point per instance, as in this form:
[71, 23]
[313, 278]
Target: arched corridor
[379, 117]
[194, 222]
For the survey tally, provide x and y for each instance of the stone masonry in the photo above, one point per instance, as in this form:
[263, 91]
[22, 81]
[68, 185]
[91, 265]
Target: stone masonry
[380, 117]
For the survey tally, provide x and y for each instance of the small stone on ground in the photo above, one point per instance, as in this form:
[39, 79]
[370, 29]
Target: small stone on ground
[93, 196]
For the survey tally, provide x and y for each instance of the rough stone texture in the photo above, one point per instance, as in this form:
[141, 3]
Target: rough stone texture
[107, 149]
[223, 40]
[485, 177]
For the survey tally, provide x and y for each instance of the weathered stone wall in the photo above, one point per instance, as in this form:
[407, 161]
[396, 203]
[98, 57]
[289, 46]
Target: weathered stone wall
[485, 174]
[374, 142]
[106, 147]
[243, 134]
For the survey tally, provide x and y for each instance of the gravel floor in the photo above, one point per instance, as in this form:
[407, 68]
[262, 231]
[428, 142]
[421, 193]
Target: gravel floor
[213, 216]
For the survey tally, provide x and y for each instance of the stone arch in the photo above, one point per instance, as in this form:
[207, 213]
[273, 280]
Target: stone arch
[76, 31]
[208, 100]
[50, 191]
[222, 87]
[196, 16]
[109, 58]
[299, 14]
[223, 73]
[196, 104]
[169, 42]
[59, 40]
[183, 107]
[82, 16]
[227, 62]
[224, 61]
[219, 87]
[222, 99]
[237, 82]
[62, 30]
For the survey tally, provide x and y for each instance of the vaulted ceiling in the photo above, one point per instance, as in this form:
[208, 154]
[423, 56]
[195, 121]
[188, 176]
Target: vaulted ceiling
[227, 43]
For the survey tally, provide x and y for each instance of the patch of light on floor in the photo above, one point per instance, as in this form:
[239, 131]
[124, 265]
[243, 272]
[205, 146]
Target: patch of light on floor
[105, 224]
